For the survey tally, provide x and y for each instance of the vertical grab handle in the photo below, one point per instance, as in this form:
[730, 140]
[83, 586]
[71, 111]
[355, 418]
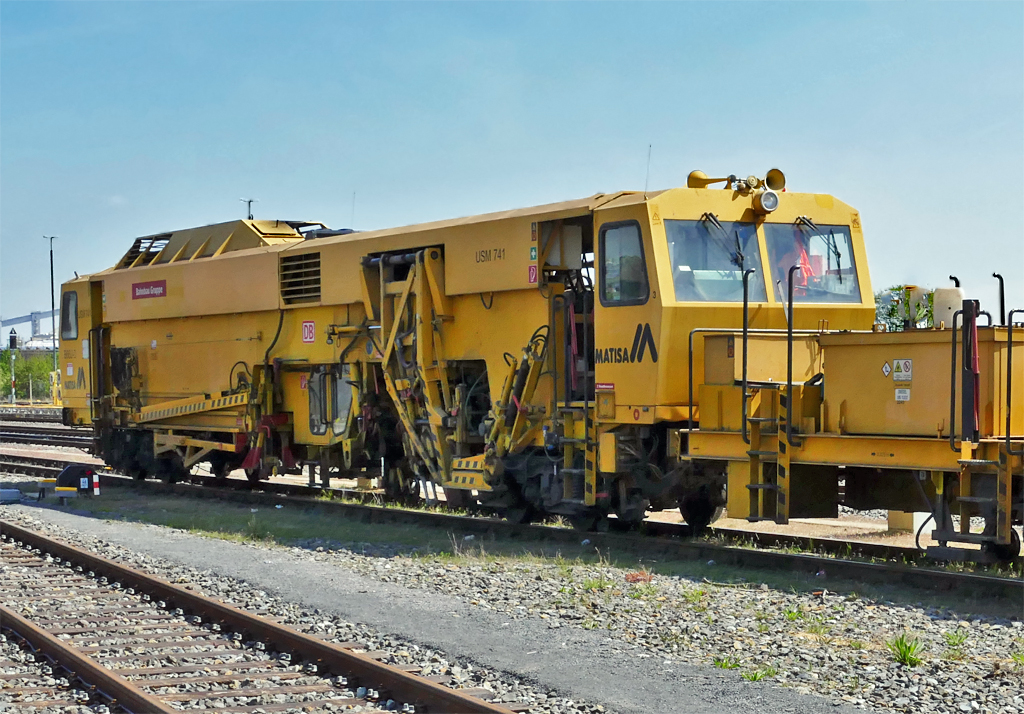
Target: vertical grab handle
[789, 360]
[952, 385]
[746, 326]
[1009, 381]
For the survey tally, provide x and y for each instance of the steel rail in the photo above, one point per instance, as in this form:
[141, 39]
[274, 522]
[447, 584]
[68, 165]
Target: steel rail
[427, 696]
[88, 671]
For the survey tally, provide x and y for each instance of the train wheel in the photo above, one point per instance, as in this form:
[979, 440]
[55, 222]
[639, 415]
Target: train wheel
[520, 514]
[699, 512]
[458, 498]
[172, 468]
[221, 468]
[259, 473]
[136, 472]
[1005, 552]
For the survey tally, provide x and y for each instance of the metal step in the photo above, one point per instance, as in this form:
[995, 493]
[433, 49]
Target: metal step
[762, 453]
[763, 420]
[763, 486]
[975, 499]
[977, 462]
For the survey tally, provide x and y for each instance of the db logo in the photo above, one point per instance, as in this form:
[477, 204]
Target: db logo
[308, 331]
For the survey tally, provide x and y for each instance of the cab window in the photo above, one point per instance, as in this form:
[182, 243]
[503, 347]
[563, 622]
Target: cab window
[341, 399]
[317, 388]
[69, 316]
[709, 258]
[623, 272]
[824, 255]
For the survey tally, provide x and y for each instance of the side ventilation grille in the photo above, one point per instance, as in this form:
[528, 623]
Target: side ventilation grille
[300, 278]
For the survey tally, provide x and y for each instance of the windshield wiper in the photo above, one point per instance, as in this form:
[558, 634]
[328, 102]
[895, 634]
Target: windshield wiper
[830, 242]
[734, 258]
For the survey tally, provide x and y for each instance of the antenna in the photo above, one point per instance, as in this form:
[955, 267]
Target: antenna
[648, 176]
[352, 223]
[248, 204]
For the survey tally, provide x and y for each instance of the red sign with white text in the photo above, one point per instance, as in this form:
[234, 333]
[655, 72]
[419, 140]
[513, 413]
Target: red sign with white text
[152, 289]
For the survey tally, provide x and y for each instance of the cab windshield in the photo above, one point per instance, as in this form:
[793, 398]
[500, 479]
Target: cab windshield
[708, 258]
[824, 255]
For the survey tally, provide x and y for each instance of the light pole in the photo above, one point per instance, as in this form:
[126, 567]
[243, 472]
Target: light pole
[53, 306]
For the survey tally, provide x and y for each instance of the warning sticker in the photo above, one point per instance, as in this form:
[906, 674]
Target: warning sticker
[902, 370]
[886, 369]
[902, 395]
[533, 252]
[533, 274]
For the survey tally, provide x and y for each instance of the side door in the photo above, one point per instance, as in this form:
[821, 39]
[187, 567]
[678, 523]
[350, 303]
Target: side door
[627, 320]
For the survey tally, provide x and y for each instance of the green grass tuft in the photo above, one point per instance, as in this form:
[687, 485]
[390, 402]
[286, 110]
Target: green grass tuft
[906, 650]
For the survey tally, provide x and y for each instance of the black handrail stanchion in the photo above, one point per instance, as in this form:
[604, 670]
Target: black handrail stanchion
[789, 360]
[968, 379]
[746, 327]
[952, 385]
[1009, 382]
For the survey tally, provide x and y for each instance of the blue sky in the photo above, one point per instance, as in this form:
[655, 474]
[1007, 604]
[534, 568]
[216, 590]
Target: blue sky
[125, 119]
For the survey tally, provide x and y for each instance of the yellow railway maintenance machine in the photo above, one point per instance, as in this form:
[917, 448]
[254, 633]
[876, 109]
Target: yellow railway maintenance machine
[533, 361]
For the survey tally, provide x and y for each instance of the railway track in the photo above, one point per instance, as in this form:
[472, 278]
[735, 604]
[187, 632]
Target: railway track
[861, 562]
[143, 644]
[23, 412]
[47, 434]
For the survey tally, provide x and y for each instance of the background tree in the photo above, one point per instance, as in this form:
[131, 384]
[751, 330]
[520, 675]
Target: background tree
[891, 309]
[36, 367]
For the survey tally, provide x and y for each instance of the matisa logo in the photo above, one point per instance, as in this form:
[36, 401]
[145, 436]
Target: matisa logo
[643, 341]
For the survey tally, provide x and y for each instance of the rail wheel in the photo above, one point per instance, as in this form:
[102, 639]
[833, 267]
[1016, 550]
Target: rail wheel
[1005, 552]
[221, 467]
[171, 468]
[699, 511]
[458, 498]
[262, 472]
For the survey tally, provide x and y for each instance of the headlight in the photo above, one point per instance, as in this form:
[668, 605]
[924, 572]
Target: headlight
[766, 201]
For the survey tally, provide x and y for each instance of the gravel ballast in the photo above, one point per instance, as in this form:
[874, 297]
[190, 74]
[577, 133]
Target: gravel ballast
[586, 632]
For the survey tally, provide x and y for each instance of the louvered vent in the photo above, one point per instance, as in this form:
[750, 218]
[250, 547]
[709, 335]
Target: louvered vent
[144, 251]
[300, 278]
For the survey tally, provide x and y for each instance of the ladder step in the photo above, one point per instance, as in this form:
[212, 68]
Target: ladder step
[755, 519]
[762, 453]
[975, 499]
[763, 420]
[977, 462]
[763, 486]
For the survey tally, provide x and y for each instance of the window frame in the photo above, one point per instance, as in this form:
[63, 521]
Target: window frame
[319, 422]
[339, 382]
[643, 263]
[67, 314]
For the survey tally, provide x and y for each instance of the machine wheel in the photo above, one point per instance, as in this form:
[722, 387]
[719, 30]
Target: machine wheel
[698, 510]
[458, 498]
[523, 514]
[171, 468]
[259, 473]
[1005, 552]
[221, 468]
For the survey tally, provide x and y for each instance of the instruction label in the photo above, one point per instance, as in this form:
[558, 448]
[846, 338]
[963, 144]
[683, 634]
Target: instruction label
[902, 370]
[902, 395]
